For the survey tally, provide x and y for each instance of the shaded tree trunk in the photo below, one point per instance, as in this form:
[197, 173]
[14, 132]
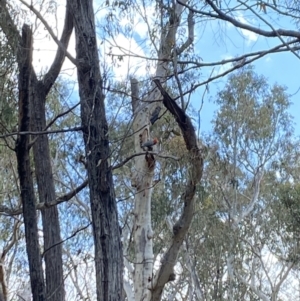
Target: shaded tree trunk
[46, 193]
[43, 170]
[24, 168]
[106, 231]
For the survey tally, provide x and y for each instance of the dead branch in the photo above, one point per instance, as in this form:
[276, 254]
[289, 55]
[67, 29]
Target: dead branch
[41, 132]
[194, 175]
[40, 206]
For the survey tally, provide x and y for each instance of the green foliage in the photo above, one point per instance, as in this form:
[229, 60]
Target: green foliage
[252, 130]
[289, 195]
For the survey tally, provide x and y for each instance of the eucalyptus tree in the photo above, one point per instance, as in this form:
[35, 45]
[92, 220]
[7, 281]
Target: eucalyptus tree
[252, 129]
[173, 54]
[148, 283]
[34, 98]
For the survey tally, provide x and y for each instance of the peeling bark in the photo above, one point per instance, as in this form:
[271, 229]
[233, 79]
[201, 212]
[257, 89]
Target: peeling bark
[142, 175]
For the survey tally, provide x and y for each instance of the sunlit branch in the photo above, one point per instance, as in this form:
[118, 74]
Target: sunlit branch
[222, 16]
[276, 49]
[270, 25]
[190, 38]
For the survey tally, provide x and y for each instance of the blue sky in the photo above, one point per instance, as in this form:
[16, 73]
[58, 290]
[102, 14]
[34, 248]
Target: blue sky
[281, 68]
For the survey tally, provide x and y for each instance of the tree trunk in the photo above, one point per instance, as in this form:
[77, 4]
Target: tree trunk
[43, 170]
[46, 193]
[24, 169]
[143, 173]
[142, 181]
[106, 231]
[193, 177]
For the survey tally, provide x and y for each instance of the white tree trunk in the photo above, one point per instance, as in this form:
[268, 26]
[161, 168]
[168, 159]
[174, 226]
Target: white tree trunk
[142, 175]
[142, 181]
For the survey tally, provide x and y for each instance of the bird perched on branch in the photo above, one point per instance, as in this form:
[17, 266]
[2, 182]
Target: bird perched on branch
[155, 114]
[148, 145]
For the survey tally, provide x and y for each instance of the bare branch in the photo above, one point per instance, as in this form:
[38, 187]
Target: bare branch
[61, 53]
[60, 43]
[75, 129]
[143, 154]
[61, 115]
[40, 206]
[194, 175]
[270, 25]
[222, 16]
[191, 35]
[71, 236]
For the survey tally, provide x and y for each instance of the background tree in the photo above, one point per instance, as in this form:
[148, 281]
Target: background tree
[252, 129]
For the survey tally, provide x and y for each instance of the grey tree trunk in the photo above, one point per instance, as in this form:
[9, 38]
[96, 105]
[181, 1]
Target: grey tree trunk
[46, 193]
[106, 231]
[43, 170]
[24, 168]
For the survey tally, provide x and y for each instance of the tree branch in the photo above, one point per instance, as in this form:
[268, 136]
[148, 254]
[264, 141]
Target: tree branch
[40, 206]
[41, 132]
[225, 17]
[61, 53]
[191, 35]
[194, 175]
[61, 43]
[69, 237]
[61, 115]
[143, 154]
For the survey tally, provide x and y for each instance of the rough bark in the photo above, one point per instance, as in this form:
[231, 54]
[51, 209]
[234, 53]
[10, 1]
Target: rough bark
[3, 284]
[44, 176]
[46, 193]
[24, 169]
[106, 231]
